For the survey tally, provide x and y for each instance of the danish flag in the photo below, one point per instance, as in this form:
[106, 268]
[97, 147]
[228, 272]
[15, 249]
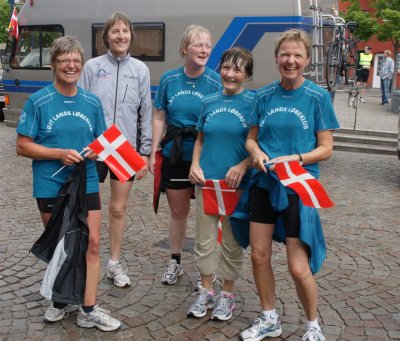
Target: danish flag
[218, 198]
[219, 238]
[116, 151]
[309, 189]
[13, 26]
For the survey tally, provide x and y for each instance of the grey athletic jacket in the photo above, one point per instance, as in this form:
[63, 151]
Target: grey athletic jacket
[123, 86]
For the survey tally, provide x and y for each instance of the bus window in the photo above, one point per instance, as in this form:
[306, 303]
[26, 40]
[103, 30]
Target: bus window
[32, 50]
[148, 43]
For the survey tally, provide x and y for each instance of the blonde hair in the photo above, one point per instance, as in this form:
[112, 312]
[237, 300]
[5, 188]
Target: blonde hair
[191, 32]
[388, 52]
[294, 35]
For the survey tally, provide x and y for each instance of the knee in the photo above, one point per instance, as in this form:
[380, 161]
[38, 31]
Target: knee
[179, 213]
[259, 258]
[117, 212]
[93, 250]
[300, 272]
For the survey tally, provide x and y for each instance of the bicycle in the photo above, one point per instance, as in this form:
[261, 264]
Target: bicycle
[342, 57]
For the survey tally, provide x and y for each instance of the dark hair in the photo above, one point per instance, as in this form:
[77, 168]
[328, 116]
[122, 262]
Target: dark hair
[239, 56]
[64, 45]
[111, 21]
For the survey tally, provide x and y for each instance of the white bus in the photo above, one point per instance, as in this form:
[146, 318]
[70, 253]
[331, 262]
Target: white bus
[158, 27]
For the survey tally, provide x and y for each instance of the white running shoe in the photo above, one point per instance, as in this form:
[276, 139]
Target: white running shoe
[173, 272]
[118, 274]
[99, 318]
[54, 314]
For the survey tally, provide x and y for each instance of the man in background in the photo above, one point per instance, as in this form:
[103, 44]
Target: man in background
[386, 75]
[365, 63]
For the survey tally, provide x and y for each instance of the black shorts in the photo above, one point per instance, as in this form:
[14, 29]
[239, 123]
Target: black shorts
[261, 211]
[179, 171]
[363, 75]
[102, 171]
[46, 205]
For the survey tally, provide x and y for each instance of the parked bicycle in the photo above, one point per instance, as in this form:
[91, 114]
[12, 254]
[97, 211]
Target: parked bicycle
[342, 57]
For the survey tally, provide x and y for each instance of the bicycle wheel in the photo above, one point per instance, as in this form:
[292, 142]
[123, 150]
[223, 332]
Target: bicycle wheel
[333, 65]
[351, 56]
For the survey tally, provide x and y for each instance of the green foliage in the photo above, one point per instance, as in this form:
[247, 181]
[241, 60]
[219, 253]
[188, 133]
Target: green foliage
[4, 20]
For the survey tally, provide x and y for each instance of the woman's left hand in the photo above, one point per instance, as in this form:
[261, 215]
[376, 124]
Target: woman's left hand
[90, 154]
[142, 173]
[235, 175]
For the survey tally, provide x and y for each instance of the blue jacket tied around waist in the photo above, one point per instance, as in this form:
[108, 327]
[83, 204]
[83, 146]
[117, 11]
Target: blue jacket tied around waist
[311, 232]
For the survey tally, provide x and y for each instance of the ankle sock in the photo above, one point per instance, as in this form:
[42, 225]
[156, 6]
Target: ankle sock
[112, 263]
[87, 308]
[59, 305]
[313, 324]
[269, 313]
[177, 257]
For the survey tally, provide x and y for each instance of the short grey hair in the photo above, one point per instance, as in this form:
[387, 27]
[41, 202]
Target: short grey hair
[64, 45]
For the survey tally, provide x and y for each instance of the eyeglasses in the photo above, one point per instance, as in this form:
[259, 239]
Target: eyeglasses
[66, 62]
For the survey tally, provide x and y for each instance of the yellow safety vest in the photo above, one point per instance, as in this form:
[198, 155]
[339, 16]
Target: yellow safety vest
[365, 59]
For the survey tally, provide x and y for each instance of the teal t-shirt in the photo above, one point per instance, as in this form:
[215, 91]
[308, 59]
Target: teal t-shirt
[57, 121]
[224, 121]
[289, 120]
[179, 96]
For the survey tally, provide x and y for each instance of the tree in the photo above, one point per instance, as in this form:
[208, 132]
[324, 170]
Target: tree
[383, 22]
[4, 20]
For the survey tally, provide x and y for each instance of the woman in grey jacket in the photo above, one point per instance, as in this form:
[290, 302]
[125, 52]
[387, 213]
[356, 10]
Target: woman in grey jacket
[123, 85]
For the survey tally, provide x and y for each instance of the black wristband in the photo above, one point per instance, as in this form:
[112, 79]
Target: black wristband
[300, 159]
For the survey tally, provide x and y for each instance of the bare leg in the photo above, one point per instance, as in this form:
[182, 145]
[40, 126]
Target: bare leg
[117, 218]
[179, 203]
[261, 250]
[93, 258]
[299, 268]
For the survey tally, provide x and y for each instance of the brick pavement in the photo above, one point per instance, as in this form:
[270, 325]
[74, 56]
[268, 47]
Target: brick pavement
[358, 285]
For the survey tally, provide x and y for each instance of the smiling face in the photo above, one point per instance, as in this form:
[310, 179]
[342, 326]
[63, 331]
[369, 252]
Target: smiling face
[291, 60]
[198, 51]
[67, 69]
[119, 38]
[233, 78]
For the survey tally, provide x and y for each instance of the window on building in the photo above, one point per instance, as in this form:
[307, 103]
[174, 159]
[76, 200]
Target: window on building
[148, 43]
[32, 50]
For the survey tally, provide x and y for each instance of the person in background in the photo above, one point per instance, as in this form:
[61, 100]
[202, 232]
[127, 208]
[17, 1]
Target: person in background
[293, 119]
[123, 85]
[177, 109]
[386, 75]
[47, 134]
[365, 63]
[219, 154]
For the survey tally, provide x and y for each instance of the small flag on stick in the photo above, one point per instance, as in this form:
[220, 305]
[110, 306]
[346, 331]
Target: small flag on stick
[116, 151]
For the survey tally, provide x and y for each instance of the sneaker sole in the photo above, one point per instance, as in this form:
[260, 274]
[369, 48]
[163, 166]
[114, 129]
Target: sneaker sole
[124, 285]
[192, 314]
[221, 318]
[275, 333]
[165, 281]
[88, 324]
[54, 320]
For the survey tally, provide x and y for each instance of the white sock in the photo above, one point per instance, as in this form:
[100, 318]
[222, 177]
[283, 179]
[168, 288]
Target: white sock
[271, 314]
[112, 263]
[313, 324]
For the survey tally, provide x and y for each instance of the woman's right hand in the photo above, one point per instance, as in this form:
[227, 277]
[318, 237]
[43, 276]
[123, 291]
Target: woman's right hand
[196, 175]
[70, 156]
[259, 160]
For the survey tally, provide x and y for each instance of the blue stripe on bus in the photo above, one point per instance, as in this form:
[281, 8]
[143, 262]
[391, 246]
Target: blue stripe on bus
[247, 32]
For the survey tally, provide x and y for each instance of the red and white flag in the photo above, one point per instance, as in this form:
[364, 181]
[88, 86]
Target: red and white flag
[13, 26]
[218, 198]
[309, 189]
[116, 151]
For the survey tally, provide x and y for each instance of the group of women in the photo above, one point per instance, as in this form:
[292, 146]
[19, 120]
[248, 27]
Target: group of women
[207, 126]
